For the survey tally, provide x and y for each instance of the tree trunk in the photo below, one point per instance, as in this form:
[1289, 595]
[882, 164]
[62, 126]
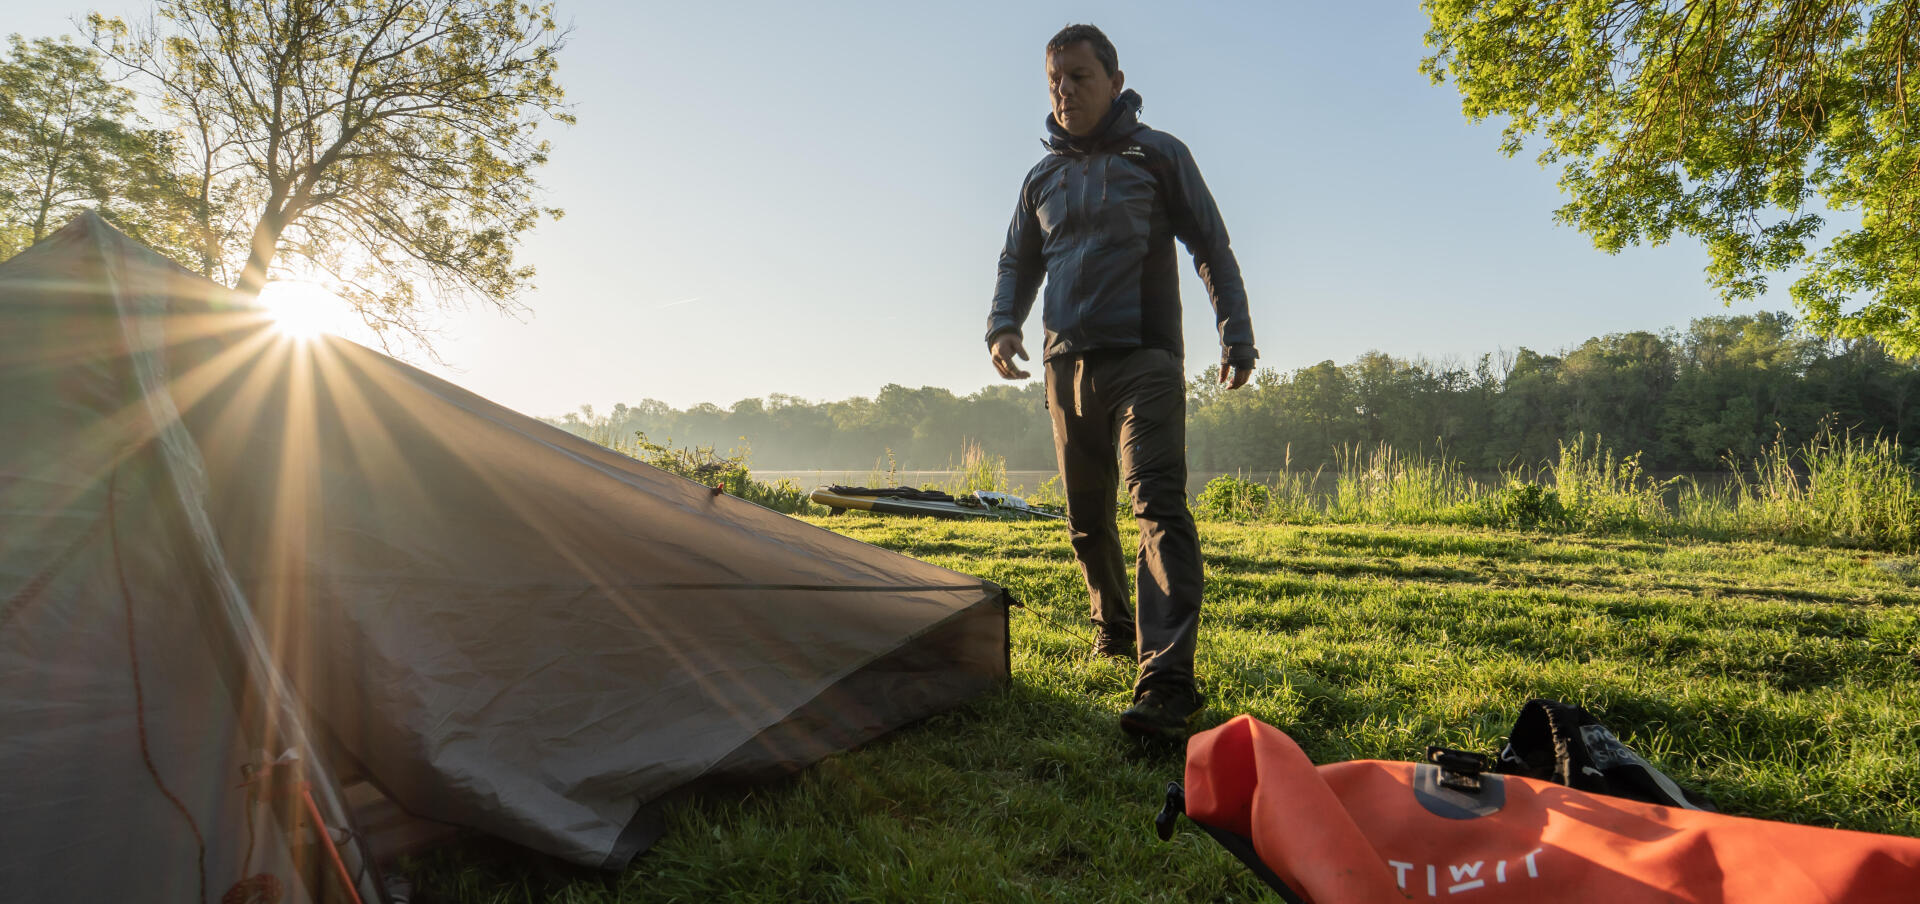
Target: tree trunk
[203, 217]
[46, 199]
[40, 220]
[266, 241]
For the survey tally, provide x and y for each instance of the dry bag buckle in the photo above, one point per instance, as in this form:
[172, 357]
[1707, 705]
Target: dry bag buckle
[1459, 770]
[1169, 815]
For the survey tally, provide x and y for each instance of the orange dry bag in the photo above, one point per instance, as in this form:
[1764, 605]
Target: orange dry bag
[1367, 831]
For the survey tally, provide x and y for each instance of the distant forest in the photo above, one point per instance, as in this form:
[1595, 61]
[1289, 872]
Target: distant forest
[1686, 400]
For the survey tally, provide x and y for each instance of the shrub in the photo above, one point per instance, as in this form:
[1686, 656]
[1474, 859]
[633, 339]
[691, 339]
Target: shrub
[1526, 505]
[1226, 498]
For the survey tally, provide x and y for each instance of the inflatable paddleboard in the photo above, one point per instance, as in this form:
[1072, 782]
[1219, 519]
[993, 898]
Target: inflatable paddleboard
[930, 503]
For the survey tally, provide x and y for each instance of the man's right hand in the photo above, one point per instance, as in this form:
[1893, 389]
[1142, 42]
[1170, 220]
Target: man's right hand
[1005, 347]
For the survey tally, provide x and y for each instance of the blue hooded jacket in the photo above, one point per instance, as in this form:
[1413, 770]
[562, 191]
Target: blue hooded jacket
[1097, 219]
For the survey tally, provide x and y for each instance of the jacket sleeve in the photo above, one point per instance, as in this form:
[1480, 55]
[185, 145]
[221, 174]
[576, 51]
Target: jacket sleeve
[1196, 221]
[1021, 269]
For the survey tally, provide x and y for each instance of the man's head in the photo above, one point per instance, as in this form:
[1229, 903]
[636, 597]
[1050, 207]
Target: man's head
[1083, 77]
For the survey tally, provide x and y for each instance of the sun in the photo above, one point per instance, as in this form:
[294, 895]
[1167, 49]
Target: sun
[302, 310]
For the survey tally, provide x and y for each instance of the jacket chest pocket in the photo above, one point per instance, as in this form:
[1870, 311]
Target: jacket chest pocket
[1125, 200]
[1052, 196]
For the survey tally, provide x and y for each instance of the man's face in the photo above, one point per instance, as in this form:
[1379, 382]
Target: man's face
[1080, 88]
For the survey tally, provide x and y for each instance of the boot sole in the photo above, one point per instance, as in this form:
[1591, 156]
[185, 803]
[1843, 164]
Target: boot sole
[1147, 728]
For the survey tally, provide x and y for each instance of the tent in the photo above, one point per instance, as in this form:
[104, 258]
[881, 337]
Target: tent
[250, 586]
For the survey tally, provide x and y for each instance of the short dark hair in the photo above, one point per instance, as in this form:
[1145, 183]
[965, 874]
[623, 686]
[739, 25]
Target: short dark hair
[1102, 48]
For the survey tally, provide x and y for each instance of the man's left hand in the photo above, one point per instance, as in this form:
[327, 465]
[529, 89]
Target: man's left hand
[1235, 377]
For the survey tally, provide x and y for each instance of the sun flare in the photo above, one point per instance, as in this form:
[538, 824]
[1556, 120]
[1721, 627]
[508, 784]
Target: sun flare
[302, 310]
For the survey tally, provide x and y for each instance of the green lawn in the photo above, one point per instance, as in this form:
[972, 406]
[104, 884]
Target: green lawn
[1784, 681]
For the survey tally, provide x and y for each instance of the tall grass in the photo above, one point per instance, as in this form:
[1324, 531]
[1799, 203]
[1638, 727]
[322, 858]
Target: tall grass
[1377, 484]
[977, 470]
[887, 478]
[1708, 511]
[1382, 484]
[1603, 492]
[1836, 489]
[1295, 495]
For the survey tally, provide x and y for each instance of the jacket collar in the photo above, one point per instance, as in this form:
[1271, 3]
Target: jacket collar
[1122, 120]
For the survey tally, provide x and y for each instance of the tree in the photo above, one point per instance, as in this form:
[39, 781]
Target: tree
[388, 144]
[69, 141]
[1529, 414]
[1744, 123]
[1323, 396]
[1616, 387]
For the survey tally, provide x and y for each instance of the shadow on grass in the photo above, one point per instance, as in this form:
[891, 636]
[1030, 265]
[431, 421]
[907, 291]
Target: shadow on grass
[1231, 566]
[1436, 540]
[1242, 564]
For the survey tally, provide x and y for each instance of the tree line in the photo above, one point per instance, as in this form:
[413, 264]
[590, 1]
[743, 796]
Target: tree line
[922, 428]
[1686, 400]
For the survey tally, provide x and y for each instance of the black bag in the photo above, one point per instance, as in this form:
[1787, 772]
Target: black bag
[1559, 742]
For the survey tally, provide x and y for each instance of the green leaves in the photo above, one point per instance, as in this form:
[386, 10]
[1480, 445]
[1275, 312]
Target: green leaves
[1743, 123]
[69, 141]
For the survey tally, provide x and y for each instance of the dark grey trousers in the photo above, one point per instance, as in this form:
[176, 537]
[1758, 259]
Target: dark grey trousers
[1130, 405]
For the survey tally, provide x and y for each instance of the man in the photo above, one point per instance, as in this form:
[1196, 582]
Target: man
[1096, 220]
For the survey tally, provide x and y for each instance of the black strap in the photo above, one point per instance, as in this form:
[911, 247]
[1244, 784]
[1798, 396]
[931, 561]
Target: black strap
[1240, 847]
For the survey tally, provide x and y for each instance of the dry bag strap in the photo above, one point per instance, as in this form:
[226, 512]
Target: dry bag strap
[1241, 848]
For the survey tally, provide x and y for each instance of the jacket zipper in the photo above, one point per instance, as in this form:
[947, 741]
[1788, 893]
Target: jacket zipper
[1088, 223]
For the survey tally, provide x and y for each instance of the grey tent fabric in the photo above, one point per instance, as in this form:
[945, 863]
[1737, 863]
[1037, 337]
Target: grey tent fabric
[126, 681]
[503, 626]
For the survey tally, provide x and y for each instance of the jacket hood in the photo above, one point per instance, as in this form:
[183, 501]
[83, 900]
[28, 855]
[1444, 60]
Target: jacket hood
[1122, 119]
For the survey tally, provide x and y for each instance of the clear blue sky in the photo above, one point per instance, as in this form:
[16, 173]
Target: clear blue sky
[830, 184]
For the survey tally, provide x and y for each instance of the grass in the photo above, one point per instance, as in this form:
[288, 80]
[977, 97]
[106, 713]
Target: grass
[1382, 485]
[1836, 489]
[1783, 680]
[1854, 490]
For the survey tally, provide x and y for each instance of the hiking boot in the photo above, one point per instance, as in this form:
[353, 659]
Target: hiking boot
[1160, 713]
[1115, 645]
